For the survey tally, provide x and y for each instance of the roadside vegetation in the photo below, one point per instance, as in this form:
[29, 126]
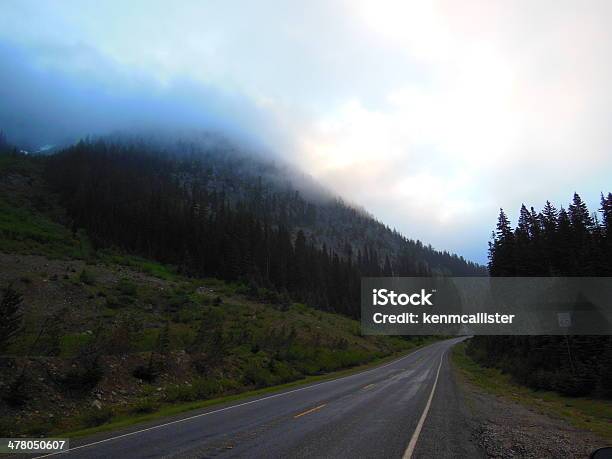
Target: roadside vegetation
[98, 342]
[583, 412]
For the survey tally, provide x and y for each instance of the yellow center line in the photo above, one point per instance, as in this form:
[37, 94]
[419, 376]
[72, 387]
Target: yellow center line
[368, 386]
[311, 410]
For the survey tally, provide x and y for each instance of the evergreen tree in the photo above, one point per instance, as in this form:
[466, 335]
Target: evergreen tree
[606, 211]
[582, 227]
[523, 249]
[559, 244]
[501, 250]
[580, 217]
[549, 218]
[565, 262]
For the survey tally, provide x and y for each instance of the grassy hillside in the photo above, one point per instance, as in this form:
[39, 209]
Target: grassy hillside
[106, 336]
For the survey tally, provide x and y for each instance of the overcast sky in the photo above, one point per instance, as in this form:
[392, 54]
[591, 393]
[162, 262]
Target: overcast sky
[431, 115]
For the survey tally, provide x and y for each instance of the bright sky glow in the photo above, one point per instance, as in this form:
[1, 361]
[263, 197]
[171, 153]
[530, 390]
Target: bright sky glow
[431, 115]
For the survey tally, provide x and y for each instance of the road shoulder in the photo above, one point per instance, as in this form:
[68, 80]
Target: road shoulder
[449, 429]
[512, 425]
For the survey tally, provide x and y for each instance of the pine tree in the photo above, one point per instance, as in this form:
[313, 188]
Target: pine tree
[549, 244]
[523, 243]
[549, 218]
[580, 217]
[565, 263]
[524, 222]
[501, 251]
[606, 211]
[504, 231]
[582, 244]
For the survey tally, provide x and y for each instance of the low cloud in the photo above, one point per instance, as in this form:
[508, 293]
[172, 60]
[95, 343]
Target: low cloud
[430, 115]
[43, 104]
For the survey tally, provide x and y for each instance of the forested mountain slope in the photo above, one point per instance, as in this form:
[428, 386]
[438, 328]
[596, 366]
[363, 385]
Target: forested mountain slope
[276, 192]
[212, 211]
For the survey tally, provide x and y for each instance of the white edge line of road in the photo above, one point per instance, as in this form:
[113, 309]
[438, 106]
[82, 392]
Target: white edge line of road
[417, 431]
[159, 426]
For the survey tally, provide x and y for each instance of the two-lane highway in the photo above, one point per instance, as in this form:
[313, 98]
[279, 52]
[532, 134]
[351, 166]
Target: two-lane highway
[409, 407]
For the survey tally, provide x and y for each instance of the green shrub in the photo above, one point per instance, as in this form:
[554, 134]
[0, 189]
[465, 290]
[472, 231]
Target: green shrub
[113, 302]
[177, 302]
[187, 315]
[283, 373]
[39, 427]
[206, 388]
[179, 394]
[127, 287]
[200, 389]
[70, 344]
[94, 417]
[145, 406]
[87, 277]
[258, 375]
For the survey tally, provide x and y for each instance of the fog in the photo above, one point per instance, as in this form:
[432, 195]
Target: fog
[44, 106]
[430, 115]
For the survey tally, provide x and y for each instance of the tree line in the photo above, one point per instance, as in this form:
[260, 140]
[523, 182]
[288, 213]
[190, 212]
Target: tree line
[553, 242]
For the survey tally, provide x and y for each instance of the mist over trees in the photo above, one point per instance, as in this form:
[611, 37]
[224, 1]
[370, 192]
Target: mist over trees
[553, 242]
[203, 213]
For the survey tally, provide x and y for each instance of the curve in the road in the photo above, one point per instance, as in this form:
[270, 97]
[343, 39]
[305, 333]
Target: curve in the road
[409, 407]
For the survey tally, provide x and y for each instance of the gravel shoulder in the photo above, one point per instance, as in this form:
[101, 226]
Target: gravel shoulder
[505, 428]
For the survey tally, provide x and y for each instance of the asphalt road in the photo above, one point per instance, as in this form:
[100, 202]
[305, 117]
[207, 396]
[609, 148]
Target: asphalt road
[391, 411]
